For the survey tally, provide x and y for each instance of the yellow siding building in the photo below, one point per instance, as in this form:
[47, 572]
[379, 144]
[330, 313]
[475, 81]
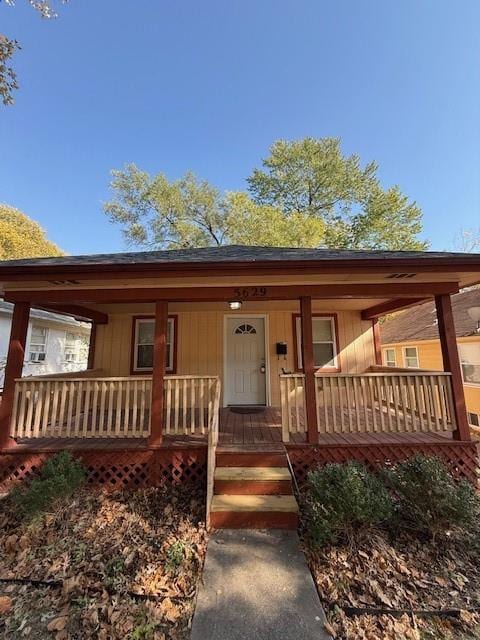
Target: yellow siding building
[410, 340]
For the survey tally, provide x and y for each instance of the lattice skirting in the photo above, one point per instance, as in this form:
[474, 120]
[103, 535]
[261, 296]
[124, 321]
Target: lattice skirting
[116, 469]
[462, 458]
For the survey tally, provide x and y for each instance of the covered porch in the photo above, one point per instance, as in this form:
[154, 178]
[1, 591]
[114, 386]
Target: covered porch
[169, 340]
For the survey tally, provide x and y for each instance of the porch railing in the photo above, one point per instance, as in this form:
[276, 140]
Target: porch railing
[110, 407]
[370, 402]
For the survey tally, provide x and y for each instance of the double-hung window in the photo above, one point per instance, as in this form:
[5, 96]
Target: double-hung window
[410, 355]
[389, 357]
[474, 419]
[71, 347]
[325, 354]
[470, 358]
[144, 336]
[38, 344]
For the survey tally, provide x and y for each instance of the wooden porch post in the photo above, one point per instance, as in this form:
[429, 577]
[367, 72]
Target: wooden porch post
[158, 374]
[91, 346]
[377, 342]
[14, 367]
[451, 363]
[309, 369]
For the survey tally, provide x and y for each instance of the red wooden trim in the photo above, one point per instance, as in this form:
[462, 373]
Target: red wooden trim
[391, 305]
[212, 294]
[451, 362]
[377, 341]
[337, 342]
[245, 458]
[372, 264]
[253, 519]
[14, 367]
[133, 372]
[91, 346]
[158, 374]
[461, 458]
[309, 369]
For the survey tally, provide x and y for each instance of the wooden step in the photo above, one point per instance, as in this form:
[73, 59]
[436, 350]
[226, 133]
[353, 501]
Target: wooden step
[253, 481]
[245, 458]
[254, 511]
[252, 473]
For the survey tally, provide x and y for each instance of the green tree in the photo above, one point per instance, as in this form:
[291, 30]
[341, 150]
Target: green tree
[189, 212]
[8, 46]
[307, 195]
[22, 237]
[265, 225]
[311, 176]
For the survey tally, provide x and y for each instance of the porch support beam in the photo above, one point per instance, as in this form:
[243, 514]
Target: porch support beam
[309, 369]
[377, 341]
[76, 311]
[451, 363]
[224, 294]
[158, 374]
[91, 346]
[390, 306]
[14, 367]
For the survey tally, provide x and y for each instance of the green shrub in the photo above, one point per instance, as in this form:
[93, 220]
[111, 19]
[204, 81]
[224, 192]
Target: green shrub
[59, 477]
[343, 499]
[175, 555]
[428, 498]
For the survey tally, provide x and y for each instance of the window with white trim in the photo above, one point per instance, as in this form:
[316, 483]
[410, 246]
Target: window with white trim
[38, 344]
[389, 357]
[71, 347]
[469, 353]
[474, 419]
[144, 337]
[410, 355]
[324, 342]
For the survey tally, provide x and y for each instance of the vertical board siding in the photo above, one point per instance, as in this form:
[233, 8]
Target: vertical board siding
[200, 340]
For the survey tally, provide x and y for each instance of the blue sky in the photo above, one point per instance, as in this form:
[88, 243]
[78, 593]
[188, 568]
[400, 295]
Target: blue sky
[208, 86]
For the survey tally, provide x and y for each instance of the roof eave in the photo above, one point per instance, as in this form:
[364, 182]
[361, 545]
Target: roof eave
[137, 269]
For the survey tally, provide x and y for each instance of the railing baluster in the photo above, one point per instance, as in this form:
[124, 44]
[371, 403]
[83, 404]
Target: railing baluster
[433, 388]
[143, 406]
[349, 404]
[426, 400]
[201, 404]
[297, 406]
[340, 381]
[126, 413]
[118, 409]
[380, 391]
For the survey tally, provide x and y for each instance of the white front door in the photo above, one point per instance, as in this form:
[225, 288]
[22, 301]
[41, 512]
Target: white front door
[245, 361]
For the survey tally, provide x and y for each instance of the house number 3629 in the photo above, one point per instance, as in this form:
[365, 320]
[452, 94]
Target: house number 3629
[250, 292]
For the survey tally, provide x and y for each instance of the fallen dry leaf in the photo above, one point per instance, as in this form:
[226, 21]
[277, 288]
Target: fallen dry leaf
[5, 604]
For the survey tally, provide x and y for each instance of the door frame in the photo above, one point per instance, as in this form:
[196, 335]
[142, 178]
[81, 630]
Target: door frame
[226, 318]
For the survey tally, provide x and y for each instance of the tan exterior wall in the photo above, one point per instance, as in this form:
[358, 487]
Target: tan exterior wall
[430, 357]
[200, 338]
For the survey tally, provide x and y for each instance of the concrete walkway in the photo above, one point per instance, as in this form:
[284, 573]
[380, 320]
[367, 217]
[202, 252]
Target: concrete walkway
[256, 585]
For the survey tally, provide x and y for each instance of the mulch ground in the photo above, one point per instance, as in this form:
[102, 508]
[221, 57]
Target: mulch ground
[379, 574]
[104, 566]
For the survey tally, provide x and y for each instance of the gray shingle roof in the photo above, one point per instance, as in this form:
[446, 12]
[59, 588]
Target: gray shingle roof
[420, 322]
[232, 253]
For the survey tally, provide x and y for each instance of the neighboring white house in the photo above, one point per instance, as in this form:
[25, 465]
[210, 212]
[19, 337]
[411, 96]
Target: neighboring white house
[55, 343]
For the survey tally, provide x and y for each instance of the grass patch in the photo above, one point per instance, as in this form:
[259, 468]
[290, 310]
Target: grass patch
[59, 478]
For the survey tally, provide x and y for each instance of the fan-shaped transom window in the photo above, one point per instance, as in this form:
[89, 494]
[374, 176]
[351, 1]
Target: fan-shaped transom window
[243, 329]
